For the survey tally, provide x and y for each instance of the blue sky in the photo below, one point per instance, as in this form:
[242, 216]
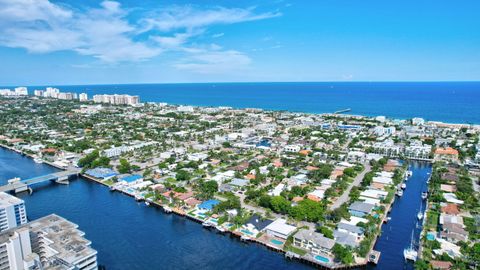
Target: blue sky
[94, 42]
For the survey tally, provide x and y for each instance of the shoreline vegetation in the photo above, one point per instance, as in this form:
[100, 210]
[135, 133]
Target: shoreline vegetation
[317, 187]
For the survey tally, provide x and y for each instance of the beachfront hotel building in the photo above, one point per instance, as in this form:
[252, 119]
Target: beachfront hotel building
[117, 99]
[12, 212]
[51, 242]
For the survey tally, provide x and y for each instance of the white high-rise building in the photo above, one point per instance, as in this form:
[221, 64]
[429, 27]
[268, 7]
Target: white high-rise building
[51, 242]
[38, 93]
[116, 99]
[51, 92]
[21, 91]
[83, 97]
[12, 212]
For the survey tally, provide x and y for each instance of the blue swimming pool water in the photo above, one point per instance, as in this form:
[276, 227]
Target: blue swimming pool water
[276, 242]
[321, 259]
[247, 232]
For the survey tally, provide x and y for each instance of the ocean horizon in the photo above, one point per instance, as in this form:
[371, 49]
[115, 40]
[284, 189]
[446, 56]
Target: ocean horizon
[451, 102]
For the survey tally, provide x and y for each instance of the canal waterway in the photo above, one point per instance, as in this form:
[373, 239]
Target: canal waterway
[397, 233]
[130, 235]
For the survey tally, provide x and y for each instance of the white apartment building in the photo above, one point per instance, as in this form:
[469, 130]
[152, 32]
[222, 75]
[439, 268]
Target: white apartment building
[51, 92]
[83, 97]
[51, 242]
[116, 99]
[185, 109]
[417, 121]
[21, 91]
[67, 96]
[12, 212]
[292, 148]
[380, 130]
[38, 93]
[417, 150]
[387, 148]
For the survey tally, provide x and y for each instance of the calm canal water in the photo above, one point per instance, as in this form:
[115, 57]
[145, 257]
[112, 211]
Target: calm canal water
[397, 233]
[129, 235]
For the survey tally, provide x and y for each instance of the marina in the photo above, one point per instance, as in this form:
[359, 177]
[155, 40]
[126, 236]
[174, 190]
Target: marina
[392, 243]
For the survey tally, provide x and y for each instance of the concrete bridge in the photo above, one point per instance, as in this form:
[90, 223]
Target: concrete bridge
[18, 185]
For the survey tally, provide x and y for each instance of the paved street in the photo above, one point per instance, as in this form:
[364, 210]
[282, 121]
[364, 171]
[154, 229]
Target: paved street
[356, 182]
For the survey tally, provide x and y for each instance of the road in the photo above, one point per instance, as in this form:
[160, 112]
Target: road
[356, 182]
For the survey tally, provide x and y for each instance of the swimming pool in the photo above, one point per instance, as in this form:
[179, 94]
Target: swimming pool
[322, 259]
[247, 232]
[430, 236]
[276, 242]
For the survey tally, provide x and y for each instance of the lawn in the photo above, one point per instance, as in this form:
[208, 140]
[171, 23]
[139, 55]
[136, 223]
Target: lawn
[296, 250]
[432, 220]
[109, 182]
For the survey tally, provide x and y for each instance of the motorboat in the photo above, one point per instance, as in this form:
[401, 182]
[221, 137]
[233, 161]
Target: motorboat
[404, 186]
[38, 160]
[399, 193]
[424, 195]
[420, 215]
[167, 209]
[207, 224]
[147, 203]
[220, 229]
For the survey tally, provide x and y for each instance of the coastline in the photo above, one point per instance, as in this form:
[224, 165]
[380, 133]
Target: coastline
[393, 99]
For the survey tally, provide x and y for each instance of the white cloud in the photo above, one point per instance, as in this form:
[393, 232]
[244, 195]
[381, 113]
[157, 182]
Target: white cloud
[189, 17]
[214, 60]
[109, 34]
[218, 35]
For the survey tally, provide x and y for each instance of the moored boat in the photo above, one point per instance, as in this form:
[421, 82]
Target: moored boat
[424, 195]
[244, 238]
[399, 193]
[410, 253]
[167, 209]
[404, 186]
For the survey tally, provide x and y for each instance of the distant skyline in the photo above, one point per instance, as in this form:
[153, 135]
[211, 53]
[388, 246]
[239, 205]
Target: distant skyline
[93, 42]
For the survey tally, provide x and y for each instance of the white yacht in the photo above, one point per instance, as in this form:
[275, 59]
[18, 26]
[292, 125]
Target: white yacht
[410, 253]
[420, 215]
[404, 186]
[38, 160]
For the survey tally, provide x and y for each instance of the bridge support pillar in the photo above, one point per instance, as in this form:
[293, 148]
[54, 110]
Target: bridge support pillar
[21, 189]
[63, 180]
